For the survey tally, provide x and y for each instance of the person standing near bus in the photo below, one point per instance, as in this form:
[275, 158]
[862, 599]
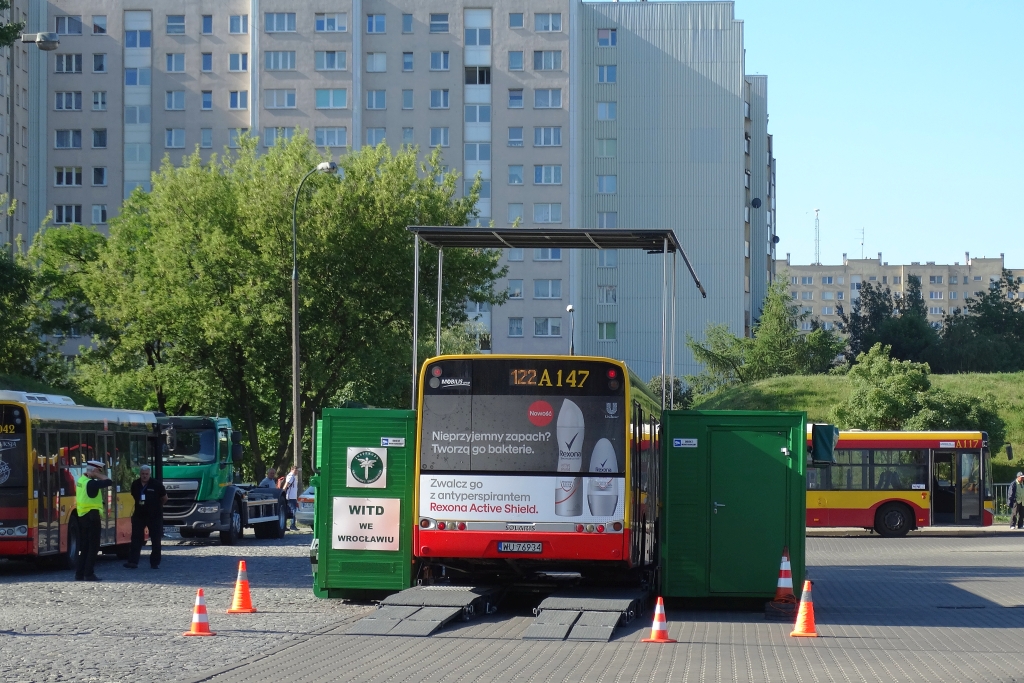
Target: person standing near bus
[291, 492]
[150, 497]
[1015, 501]
[89, 503]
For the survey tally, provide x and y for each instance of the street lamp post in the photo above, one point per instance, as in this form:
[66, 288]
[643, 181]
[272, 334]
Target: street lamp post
[572, 329]
[323, 167]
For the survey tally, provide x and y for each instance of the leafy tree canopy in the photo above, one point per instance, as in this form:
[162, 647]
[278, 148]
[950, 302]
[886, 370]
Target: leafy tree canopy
[879, 316]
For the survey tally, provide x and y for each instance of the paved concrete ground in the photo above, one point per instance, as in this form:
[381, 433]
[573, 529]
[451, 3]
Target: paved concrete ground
[128, 626]
[912, 609]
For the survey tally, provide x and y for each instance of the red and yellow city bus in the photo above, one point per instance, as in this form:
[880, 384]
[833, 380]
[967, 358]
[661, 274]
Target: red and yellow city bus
[44, 444]
[893, 482]
[535, 464]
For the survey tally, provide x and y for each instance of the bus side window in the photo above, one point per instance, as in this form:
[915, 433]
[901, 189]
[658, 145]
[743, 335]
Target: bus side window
[69, 449]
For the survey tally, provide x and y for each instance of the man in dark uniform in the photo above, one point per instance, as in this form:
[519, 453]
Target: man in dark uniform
[150, 497]
[89, 504]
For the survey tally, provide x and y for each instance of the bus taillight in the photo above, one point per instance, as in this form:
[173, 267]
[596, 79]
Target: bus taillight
[600, 528]
[579, 527]
[441, 526]
[462, 526]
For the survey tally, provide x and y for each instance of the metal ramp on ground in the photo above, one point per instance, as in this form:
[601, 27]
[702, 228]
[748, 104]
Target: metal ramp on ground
[422, 610]
[584, 616]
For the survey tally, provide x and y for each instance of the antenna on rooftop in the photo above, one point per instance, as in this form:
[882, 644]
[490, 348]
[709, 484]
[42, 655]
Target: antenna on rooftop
[862, 243]
[817, 239]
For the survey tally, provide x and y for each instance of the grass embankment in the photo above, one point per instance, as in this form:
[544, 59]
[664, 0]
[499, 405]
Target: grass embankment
[816, 394]
[20, 383]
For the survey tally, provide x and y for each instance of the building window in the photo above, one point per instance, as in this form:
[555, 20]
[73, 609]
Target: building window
[935, 310]
[515, 327]
[515, 60]
[806, 296]
[515, 98]
[272, 135]
[515, 20]
[478, 113]
[137, 39]
[65, 214]
[233, 136]
[547, 60]
[174, 138]
[547, 136]
[806, 280]
[68, 176]
[547, 175]
[935, 295]
[607, 295]
[485, 188]
[407, 138]
[827, 310]
[279, 22]
[279, 99]
[376, 99]
[606, 37]
[607, 148]
[238, 23]
[336, 98]
[331, 23]
[68, 101]
[207, 100]
[515, 289]
[238, 61]
[478, 75]
[606, 184]
[376, 23]
[515, 136]
[99, 24]
[439, 61]
[99, 138]
[332, 61]
[137, 114]
[607, 219]
[477, 151]
[546, 23]
[607, 258]
[99, 100]
[207, 59]
[547, 289]
[547, 213]
[175, 24]
[439, 23]
[99, 176]
[376, 62]
[826, 279]
[515, 175]
[515, 214]
[606, 111]
[279, 61]
[374, 136]
[174, 100]
[406, 61]
[69, 26]
[238, 99]
[746, 179]
[438, 99]
[806, 326]
[135, 151]
[841, 296]
[547, 98]
[99, 214]
[953, 280]
[140, 76]
[952, 295]
[478, 37]
[407, 99]
[207, 24]
[68, 64]
[406, 23]
[935, 280]
[99, 63]
[515, 254]
[331, 137]
[546, 254]
[828, 296]
[606, 331]
[606, 74]
[175, 62]
[547, 327]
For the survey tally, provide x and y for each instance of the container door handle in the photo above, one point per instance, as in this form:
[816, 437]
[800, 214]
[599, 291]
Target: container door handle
[718, 505]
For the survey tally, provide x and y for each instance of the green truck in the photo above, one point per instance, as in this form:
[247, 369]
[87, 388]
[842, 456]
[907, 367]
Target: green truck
[200, 458]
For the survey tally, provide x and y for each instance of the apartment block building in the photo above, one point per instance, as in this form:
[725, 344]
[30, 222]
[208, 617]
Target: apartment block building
[573, 114]
[821, 289]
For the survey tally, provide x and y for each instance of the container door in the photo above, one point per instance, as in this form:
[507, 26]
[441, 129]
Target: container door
[943, 490]
[748, 515]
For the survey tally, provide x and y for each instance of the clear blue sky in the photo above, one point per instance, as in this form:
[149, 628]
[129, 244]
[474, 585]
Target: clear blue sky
[903, 118]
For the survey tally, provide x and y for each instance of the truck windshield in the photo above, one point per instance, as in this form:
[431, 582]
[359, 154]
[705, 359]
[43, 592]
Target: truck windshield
[193, 446]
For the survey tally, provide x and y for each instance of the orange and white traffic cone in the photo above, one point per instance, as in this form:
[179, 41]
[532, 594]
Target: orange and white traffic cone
[242, 603]
[784, 588]
[805, 617]
[200, 621]
[659, 630]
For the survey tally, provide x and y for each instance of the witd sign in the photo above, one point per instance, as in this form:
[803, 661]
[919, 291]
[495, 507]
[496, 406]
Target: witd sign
[366, 523]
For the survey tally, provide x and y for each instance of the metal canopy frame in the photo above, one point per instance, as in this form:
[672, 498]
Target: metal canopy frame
[661, 241]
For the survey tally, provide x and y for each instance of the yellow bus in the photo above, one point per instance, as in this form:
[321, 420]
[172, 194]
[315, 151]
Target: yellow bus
[45, 441]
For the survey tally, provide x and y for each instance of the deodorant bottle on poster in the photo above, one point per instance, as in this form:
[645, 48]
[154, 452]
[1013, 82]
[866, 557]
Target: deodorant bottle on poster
[569, 431]
[603, 494]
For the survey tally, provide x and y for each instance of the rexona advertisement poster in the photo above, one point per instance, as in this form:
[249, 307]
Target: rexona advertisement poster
[523, 441]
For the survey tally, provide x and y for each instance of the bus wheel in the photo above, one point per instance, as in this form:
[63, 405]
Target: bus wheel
[70, 557]
[893, 519]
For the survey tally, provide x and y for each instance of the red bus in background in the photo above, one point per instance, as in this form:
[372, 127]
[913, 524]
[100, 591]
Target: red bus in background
[893, 482]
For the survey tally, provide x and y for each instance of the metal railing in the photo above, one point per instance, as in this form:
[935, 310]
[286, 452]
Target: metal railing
[1001, 491]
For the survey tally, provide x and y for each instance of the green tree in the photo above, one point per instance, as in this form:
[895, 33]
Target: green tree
[987, 335]
[9, 31]
[680, 394]
[21, 347]
[193, 286]
[878, 316]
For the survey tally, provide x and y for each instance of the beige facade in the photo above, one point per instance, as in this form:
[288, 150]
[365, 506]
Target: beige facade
[821, 289]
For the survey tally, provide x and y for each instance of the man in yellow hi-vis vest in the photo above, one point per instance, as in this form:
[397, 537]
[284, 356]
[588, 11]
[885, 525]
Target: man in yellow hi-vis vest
[89, 503]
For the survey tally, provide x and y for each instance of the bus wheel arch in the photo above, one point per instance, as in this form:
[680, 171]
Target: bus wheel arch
[893, 519]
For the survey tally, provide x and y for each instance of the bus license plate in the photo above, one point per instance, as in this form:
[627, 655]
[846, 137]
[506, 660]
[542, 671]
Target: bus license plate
[518, 547]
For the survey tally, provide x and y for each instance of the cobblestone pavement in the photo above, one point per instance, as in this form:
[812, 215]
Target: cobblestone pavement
[128, 626]
[912, 609]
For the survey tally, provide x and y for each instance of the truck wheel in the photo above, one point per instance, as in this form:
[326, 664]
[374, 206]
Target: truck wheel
[231, 535]
[278, 528]
[70, 557]
[893, 519]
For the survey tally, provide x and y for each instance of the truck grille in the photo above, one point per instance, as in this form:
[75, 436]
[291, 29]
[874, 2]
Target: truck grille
[181, 497]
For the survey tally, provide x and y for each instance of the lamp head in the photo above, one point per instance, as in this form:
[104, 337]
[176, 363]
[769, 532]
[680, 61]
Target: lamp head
[327, 167]
[44, 41]
[569, 308]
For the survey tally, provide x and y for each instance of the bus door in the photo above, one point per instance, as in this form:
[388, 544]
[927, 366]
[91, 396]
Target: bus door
[943, 488]
[105, 453]
[969, 487]
[46, 491]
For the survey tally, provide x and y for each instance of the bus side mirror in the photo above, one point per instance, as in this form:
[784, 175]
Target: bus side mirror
[823, 444]
[236, 437]
[236, 453]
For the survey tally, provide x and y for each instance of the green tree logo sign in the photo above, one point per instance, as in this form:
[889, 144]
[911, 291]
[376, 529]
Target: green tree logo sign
[366, 467]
